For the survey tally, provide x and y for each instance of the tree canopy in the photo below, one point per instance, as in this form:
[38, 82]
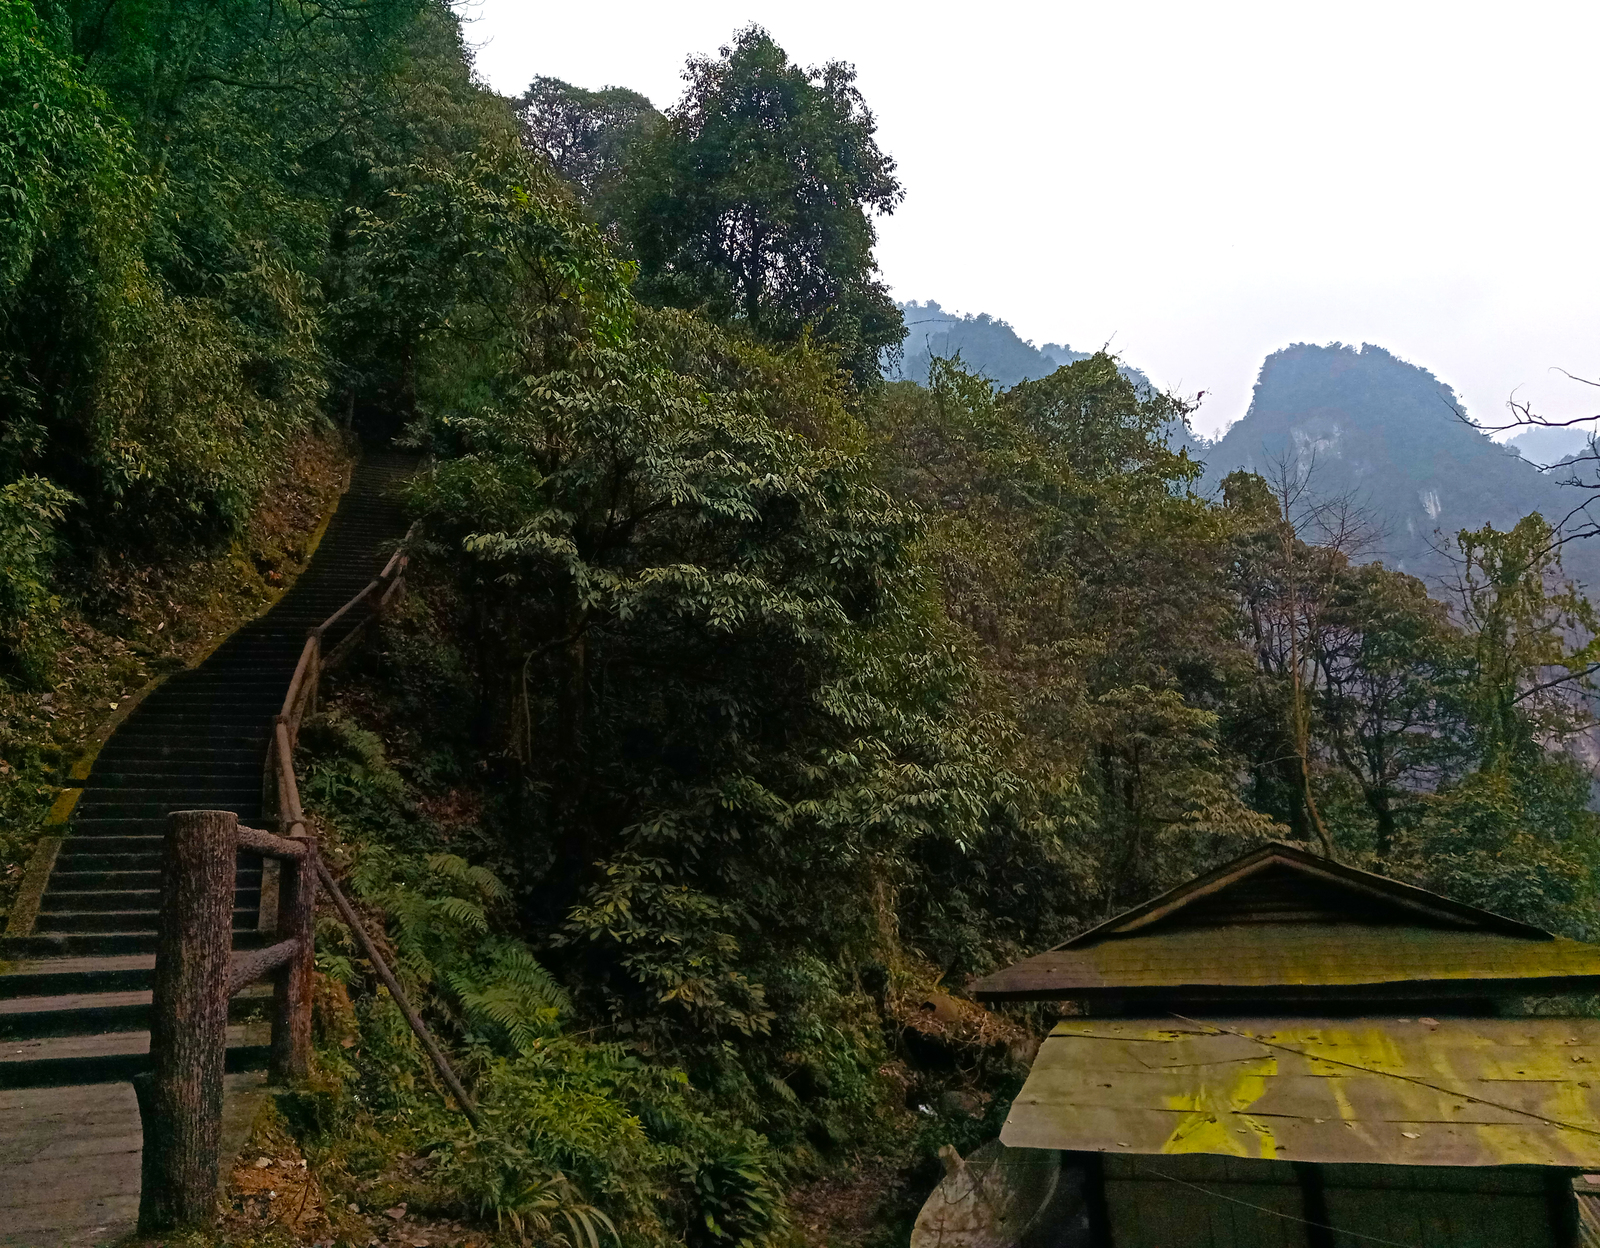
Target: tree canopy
[753, 203]
[585, 135]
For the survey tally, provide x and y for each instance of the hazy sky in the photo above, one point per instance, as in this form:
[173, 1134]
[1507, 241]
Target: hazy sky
[1198, 184]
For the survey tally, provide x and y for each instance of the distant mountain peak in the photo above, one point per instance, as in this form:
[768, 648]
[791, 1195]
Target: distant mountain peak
[1390, 435]
[988, 346]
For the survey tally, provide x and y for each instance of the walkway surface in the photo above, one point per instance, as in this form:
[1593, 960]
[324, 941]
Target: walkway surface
[75, 1001]
[69, 1159]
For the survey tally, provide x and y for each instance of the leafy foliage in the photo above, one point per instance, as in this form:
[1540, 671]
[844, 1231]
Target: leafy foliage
[31, 509]
[751, 203]
[746, 704]
[585, 135]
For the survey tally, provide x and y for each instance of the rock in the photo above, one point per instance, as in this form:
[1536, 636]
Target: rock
[1023, 1051]
[960, 1102]
[942, 1006]
[999, 1198]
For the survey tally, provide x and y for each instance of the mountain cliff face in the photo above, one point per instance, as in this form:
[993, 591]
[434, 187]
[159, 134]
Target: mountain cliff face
[1387, 433]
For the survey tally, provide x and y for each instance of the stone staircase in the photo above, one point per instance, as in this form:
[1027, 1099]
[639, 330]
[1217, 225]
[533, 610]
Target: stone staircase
[75, 998]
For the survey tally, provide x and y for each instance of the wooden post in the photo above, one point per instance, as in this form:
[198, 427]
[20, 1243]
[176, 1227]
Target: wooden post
[316, 673]
[180, 1099]
[291, 989]
[271, 791]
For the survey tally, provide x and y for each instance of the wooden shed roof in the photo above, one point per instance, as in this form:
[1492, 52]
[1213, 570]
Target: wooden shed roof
[1410, 1092]
[1280, 921]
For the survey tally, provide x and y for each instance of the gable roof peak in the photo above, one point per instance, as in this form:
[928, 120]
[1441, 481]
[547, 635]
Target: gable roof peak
[1281, 882]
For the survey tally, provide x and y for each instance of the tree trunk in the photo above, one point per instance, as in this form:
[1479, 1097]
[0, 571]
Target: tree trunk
[1301, 724]
[1378, 802]
[180, 1100]
[408, 381]
[1302, 743]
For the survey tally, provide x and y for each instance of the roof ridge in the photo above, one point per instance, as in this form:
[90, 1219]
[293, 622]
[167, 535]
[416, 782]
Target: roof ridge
[1326, 871]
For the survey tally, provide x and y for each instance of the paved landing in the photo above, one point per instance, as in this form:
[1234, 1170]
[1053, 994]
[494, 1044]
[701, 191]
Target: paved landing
[94, 1200]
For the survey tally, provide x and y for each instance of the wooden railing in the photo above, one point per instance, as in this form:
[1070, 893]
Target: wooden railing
[280, 794]
[180, 1099]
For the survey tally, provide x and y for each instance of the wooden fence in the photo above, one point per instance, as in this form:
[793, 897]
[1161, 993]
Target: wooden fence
[197, 973]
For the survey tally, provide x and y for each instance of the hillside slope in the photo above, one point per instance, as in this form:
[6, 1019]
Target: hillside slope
[1387, 433]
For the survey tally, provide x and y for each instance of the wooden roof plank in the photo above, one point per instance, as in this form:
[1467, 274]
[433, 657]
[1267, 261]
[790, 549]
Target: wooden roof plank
[1462, 1093]
[1269, 957]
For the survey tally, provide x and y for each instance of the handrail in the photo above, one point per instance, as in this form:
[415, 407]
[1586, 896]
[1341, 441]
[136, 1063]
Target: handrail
[440, 1062]
[280, 765]
[197, 972]
[338, 615]
[246, 968]
[399, 556]
[270, 846]
[308, 657]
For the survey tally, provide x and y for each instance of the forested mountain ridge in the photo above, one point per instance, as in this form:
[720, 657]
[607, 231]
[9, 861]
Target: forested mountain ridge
[988, 347]
[1391, 437]
[1546, 445]
[744, 703]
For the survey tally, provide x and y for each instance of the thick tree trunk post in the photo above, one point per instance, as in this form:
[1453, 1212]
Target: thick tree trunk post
[291, 989]
[180, 1100]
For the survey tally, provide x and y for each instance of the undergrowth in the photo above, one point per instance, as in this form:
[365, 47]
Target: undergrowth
[592, 1133]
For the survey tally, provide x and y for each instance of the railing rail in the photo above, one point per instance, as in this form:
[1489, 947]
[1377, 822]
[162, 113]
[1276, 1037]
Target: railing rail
[180, 1099]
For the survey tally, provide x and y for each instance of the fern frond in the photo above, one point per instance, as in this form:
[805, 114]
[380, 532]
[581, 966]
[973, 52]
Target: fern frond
[461, 911]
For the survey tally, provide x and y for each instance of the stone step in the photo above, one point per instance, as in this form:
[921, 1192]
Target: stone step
[160, 753]
[56, 1061]
[108, 806]
[95, 1013]
[139, 919]
[113, 881]
[100, 944]
[59, 900]
[147, 858]
[197, 745]
[111, 853]
[53, 976]
[76, 881]
[225, 789]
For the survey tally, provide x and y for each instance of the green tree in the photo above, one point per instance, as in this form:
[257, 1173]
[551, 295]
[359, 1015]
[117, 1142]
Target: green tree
[753, 203]
[694, 617]
[585, 135]
[1392, 670]
[1292, 551]
[1535, 647]
[1453, 727]
[1086, 579]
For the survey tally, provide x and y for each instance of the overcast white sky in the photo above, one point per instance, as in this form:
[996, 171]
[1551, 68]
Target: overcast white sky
[1198, 184]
